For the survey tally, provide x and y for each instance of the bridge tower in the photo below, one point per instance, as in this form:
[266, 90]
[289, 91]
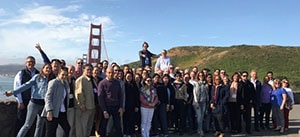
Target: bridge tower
[94, 53]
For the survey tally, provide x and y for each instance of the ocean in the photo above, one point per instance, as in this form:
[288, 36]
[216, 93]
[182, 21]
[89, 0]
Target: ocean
[6, 83]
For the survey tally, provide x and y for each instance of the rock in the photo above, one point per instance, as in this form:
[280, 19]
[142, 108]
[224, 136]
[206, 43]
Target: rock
[8, 117]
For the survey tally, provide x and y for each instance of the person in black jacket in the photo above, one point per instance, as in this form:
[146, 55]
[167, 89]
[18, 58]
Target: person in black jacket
[171, 100]
[245, 97]
[160, 112]
[145, 56]
[131, 105]
[190, 115]
[257, 97]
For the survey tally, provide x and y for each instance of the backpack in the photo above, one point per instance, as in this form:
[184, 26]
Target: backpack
[288, 102]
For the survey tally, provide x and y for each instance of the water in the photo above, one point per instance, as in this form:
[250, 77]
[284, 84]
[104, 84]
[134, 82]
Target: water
[6, 83]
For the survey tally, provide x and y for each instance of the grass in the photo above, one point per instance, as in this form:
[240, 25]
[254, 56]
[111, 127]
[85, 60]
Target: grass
[283, 61]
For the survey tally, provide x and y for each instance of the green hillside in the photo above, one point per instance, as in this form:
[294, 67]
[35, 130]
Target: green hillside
[283, 61]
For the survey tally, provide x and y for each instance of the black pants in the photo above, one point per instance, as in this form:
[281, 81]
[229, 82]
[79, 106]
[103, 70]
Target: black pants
[265, 111]
[234, 115]
[114, 112]
[160, 118]
[219, 122]
[51, 126]
[180, 110]
[191, 120]
[256, 116]
[247, 118]
[129, 121]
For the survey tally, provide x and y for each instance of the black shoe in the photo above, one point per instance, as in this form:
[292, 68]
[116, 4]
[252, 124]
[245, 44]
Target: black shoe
[257, 130]
[249, 132]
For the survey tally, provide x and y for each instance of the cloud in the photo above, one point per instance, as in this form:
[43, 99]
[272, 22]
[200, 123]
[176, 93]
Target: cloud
[137, 40]
[62, 32]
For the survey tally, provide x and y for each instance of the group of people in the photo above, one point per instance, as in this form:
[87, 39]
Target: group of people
[71, 101]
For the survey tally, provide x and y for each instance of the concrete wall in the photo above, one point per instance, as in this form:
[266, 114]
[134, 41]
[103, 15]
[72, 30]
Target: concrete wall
[8, 117]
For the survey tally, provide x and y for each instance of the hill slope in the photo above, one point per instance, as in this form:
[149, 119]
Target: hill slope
[283, 61]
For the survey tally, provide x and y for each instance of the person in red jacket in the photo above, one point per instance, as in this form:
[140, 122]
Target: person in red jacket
[149, 99]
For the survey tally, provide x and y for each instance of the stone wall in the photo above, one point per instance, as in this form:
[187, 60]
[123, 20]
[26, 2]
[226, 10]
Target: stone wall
[8, 117]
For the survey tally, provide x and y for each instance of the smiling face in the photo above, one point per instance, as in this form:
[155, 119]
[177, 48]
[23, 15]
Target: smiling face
[95, 71]
[87, 70]
[30, 63]
[148, 82]
[277, 83]
[62, 75]
[71, 70]
[235, 78]
[79, 63]
[46, 69]
[217, 80]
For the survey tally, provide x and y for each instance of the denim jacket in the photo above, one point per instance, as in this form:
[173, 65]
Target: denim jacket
[38, 87]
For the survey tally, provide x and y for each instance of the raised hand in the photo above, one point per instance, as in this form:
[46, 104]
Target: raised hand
[7, 93]
[38, 46]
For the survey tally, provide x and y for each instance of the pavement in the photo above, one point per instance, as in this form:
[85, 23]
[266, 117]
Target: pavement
[293, 130]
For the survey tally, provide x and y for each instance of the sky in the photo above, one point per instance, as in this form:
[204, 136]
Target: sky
[62, 27]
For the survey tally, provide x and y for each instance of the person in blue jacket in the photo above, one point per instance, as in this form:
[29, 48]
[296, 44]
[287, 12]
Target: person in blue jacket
[219, 98]
[38, 84]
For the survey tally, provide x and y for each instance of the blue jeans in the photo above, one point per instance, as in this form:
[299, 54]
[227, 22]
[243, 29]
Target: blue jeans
[33, 111]
[209, 121]
[200, 111]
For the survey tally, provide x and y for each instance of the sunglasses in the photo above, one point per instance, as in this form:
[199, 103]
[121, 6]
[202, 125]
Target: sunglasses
[285, 82]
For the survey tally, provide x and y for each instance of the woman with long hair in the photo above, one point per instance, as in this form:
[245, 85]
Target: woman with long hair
[149, 99]
[232, 103]
[219, 97]
[132, 104]
[288, 107]
[38, 84]
[200, 92]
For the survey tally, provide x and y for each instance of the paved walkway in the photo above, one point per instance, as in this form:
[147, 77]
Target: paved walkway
[292, 132]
